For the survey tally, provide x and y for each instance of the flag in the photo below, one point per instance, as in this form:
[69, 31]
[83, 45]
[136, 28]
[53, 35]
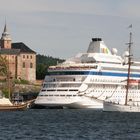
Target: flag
[130, 26]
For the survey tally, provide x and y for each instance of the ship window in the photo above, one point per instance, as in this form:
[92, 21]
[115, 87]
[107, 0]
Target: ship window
[51, 90]
[73, 90]
[44, 85]
[79, 95]
[62, 90]
[43, 90]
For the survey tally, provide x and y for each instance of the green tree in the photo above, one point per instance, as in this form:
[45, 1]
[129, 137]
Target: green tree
[3, 66]
[43, 62]
[4, 74]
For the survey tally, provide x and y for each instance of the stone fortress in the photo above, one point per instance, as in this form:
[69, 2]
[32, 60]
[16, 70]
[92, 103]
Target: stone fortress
[20, 58]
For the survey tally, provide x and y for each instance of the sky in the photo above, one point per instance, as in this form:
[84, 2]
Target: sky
[63, 28]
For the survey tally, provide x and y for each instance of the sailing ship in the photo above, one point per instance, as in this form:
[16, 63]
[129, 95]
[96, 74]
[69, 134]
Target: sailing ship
[5, 102]
[129, 105]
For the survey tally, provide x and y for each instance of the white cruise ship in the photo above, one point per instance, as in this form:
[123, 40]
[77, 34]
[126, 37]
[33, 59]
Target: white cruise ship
[87, 79]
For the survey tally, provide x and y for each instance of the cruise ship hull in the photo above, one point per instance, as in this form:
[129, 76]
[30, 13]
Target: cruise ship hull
[69, 102]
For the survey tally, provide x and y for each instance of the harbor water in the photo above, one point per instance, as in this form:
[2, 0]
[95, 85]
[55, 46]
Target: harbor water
[69, 124]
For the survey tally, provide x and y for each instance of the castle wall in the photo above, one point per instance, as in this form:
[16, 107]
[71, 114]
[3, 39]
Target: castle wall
[26, 66]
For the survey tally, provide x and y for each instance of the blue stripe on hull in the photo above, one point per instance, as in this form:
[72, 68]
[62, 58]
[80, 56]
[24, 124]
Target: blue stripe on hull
[93, 73]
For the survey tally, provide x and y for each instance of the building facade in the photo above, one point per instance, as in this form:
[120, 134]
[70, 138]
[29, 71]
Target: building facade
[21, 60]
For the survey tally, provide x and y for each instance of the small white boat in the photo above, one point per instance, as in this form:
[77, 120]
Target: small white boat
[110, 106]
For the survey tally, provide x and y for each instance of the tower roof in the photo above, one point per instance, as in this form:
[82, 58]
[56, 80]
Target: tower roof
[5, 28]
[5, 34]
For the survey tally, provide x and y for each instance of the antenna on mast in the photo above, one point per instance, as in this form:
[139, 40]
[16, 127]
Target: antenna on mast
[129, 64]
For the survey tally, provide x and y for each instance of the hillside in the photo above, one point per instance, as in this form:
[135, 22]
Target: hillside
[42, 64]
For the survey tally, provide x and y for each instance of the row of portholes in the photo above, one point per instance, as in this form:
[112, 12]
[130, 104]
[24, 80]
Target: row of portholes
[124, 96]
[60, 86]
[60, 95]
[81, 95]
[102, 87]
[103, 80]
[115, 91]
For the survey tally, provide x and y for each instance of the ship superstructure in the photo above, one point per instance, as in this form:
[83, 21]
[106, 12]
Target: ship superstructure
[87, 79]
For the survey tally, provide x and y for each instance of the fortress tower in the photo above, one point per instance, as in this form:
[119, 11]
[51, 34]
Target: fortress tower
[6, 39]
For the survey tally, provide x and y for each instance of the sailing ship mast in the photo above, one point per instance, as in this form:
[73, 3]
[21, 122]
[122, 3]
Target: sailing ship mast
[8, 78]
[129, 64]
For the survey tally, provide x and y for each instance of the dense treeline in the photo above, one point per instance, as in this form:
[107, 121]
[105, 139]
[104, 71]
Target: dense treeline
[3, 66]
[42, 64]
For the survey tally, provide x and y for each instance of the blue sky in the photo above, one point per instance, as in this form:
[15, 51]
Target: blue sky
[63, 28]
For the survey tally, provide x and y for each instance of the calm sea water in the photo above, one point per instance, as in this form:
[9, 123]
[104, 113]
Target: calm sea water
[69, 124]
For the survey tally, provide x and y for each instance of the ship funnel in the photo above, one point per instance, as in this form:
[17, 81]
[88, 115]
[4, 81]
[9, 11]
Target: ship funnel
[96, 39]
[98, 46]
